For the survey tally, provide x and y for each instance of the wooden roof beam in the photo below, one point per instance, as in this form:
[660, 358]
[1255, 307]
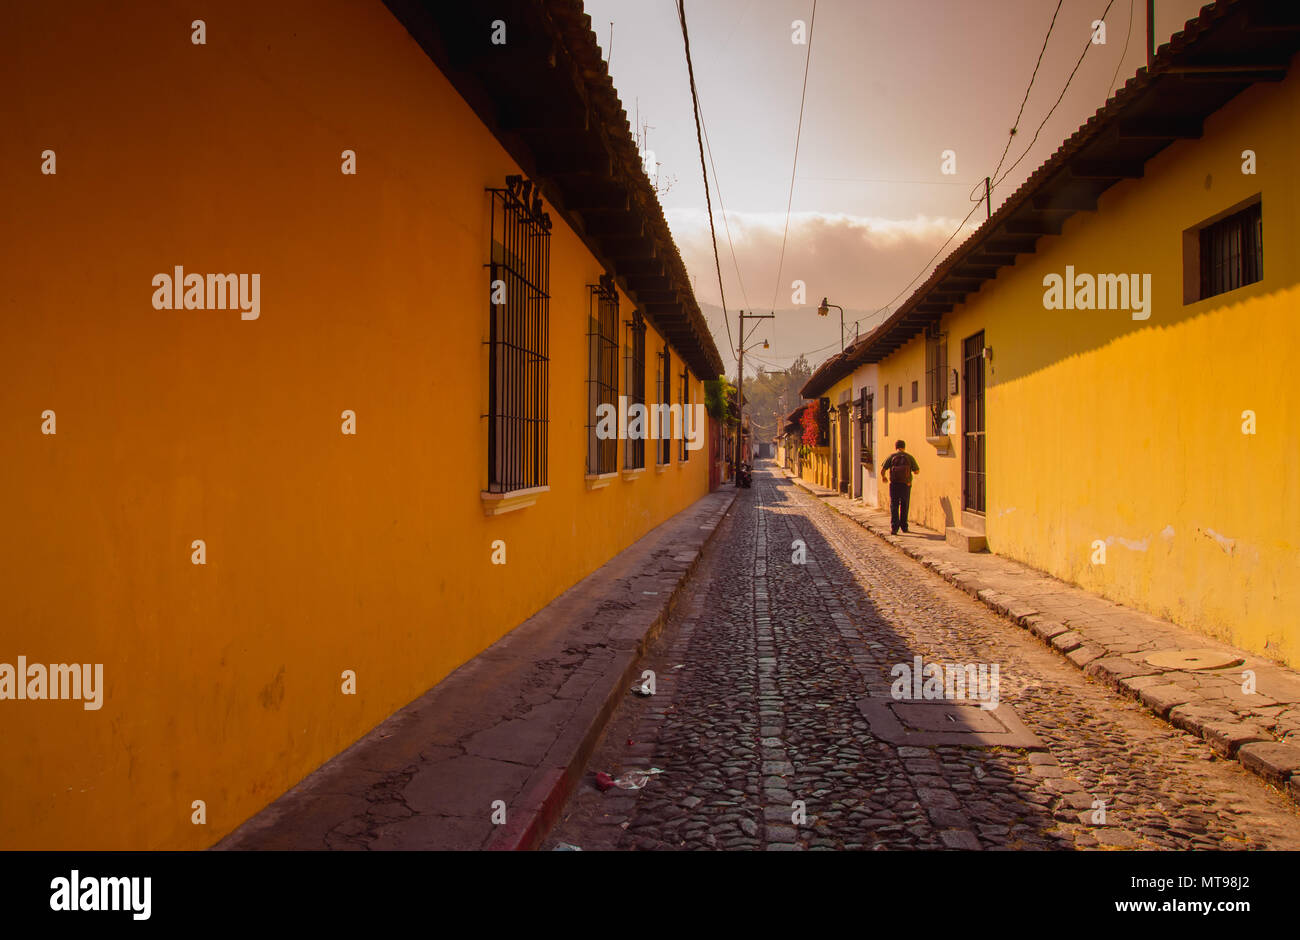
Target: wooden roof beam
[1161, 128]
[1106, 169]
[1034, 226]
[1067, 200]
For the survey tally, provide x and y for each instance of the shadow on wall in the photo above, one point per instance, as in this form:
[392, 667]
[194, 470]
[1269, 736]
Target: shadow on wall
[946, 505]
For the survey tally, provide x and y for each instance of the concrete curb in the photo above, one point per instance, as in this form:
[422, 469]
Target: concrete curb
[550, 787]
[1231, 737]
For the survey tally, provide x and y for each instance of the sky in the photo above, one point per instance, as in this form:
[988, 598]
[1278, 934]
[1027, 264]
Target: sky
[891, 85]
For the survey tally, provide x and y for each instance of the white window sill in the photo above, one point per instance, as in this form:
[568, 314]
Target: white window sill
[598, 481]
[632, 473]
[496, 504]
[941, 444]
[661, 467]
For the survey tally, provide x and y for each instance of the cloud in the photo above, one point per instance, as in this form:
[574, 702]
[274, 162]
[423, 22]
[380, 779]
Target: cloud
[857, 261]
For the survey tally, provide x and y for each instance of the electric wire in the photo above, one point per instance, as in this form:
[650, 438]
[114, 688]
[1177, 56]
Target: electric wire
[699, 137]
[726, 224]
[1011, 168]
[1015, 125]
[1120, 64]
[1059, 99]
[803, 96]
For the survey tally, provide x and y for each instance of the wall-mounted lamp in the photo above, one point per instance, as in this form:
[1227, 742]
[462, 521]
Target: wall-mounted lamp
[988, 353]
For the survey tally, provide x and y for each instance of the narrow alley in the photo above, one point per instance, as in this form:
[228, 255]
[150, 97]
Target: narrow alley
[758, 679]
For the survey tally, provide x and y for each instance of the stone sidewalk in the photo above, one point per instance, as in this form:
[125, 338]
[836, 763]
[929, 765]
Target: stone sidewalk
[1111, 643]
[517, 723]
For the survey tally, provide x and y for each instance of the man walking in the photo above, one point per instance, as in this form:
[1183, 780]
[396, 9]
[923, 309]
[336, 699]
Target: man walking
[898, 471]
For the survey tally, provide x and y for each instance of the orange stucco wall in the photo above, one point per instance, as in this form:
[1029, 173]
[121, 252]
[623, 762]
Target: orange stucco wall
[325, 552]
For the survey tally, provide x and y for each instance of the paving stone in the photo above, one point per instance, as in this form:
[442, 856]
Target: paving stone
[960, 839]
[1274, 762]
[1227, 738]
[1046, 629]
[1161, 698]
[782, 834]
[1077, 799]
[937, 799]
[1115, 837]
[1085, 654]
[1047, 770]
[1114, 668]
[949, 819]
[830, 633]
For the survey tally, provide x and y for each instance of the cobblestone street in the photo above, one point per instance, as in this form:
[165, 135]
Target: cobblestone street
[759, 675]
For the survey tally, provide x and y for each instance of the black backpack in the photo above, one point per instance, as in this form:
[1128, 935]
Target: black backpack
[900, 468]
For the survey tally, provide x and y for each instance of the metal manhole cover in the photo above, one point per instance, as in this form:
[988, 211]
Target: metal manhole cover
[1193, 659]
[926, 724]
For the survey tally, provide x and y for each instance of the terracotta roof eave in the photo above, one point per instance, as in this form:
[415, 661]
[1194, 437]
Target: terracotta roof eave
[549, 88]
[1224, 21]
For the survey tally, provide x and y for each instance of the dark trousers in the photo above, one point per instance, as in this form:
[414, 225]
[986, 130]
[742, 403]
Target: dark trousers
[900, 495]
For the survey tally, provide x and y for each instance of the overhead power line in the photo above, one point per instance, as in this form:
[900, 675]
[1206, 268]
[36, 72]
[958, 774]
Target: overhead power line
[1120, 64]
[726, 224]
[1059, 99]
[699, 137]
[1003, 176]
[1015, 125]
[798, 132]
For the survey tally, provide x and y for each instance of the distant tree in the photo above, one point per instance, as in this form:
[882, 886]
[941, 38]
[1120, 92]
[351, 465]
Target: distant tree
[720, 400]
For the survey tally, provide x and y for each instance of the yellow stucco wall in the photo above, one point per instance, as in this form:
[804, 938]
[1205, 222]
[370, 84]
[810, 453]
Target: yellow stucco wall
[931, 503]
[1105, 428]
[325, 552]
[818, 466]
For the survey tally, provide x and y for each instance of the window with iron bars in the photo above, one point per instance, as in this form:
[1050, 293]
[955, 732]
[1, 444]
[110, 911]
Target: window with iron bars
[664, 387]
[1232, 252]
[936, 387]
[602, 372]
[866, 427]
[519, 338]
[634, 385]
[684, 454]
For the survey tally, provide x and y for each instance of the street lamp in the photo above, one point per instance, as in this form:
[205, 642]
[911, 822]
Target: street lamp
[740, 382]
[825, 309]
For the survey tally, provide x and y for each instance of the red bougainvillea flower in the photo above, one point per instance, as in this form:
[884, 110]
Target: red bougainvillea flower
[808, 420]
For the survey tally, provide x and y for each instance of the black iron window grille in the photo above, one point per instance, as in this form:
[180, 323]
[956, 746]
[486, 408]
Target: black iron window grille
[866, 428]
[936, 386]
[972, 406]
[1232, 252]
[602, 374]
[634, 384]
[823, 422]
[518, 338]
[685, 454]
[664, 448]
